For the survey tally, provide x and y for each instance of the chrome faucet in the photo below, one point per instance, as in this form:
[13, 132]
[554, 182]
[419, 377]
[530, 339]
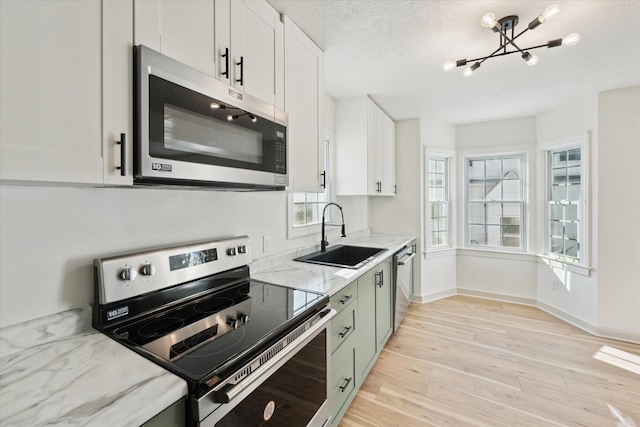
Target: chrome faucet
[323, 237]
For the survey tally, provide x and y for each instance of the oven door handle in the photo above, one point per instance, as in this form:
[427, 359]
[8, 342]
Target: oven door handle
[226, 393]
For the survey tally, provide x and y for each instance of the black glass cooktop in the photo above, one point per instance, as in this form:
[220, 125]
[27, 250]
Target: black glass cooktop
[208, 335]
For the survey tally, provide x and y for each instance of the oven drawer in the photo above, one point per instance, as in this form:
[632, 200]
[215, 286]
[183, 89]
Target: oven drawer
[342, 376]
[342, 327]
[344, 297]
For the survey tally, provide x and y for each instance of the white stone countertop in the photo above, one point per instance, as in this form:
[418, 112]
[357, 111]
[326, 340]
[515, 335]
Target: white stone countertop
[327, 279]
[50, 373]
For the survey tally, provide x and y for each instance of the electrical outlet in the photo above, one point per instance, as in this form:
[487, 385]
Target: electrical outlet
[554, 284]
[266, 244]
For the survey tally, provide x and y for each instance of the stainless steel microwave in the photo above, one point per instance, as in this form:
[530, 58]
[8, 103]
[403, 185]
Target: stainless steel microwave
[191, 129]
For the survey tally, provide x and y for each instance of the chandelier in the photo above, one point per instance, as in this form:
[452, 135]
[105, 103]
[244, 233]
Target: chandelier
[506, 29]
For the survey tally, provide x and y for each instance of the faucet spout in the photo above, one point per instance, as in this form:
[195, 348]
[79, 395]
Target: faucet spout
[323, 238]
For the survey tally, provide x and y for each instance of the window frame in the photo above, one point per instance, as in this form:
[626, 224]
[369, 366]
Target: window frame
[524, 203]
[581, 141]
[449, 189]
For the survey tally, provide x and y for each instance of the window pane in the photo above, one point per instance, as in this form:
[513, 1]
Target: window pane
[559, 175]
[493, 169]
[511, 239]
[493, 191]
[434, 239]
[476, 235]
[476, 169]
[511, 190]
[559, 159]
[432, 165]
[432, 180]
[571, 212]
[476, 191]
[432, 194]
[571, 248]
[298, 214]
[435, 210]
[476, 213]
[556, 212]
[494, 213]
[493, 235]
[440, 194]
[571, 230]
[442, 226]
[574, 192]
[558, 192]
[557, 229]
[511, 167]
[573, 174]
[444, 237]
[573, 157]
[557, 245]
[439, 166]
[435, 225]
[299, 197]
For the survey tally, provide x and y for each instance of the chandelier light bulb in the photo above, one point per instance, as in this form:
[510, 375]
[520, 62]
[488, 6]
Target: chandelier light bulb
[229, 118]
[488, 20]
[467, 72]
[550, 12]
[448, 66]
[533, 60]
[253, 118]
[214, 105]
[571, 39]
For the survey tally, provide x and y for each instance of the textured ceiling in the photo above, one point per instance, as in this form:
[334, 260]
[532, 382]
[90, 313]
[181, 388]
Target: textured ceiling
[394, 50]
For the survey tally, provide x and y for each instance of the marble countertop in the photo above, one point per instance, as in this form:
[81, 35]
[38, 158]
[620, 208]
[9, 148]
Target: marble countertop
[326, 279]
[50, 373]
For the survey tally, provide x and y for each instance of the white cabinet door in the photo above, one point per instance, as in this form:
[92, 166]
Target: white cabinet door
[257, 50]
[54, 60]
[365, 149]
[304, 99]
[180, 29]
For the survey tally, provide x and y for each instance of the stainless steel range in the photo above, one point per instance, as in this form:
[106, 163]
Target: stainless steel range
[252, 353]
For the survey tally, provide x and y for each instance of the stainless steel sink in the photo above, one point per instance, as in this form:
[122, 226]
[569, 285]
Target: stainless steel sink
[342, 256]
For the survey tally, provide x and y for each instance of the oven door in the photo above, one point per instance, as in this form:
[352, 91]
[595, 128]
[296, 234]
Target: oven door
[291, 391]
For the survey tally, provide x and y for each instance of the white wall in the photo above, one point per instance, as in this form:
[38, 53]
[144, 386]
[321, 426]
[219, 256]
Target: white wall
[438, 268]
[49, 236]
[619, 212]
[576, 294]
[401, 214]
[477, 271]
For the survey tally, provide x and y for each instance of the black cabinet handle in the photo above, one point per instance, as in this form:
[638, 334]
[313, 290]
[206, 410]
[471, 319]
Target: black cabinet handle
[343, 387]
[225, 55]
[345, 331]
[395, 189]
[324, 179]
[345, 299]
[380, 278]
[123, 154]
[241, 64]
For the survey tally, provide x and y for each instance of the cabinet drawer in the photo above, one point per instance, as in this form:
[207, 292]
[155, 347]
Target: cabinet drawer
[342, 327]
[342, 299]
[342, 377]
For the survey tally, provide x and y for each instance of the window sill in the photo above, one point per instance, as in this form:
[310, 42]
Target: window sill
[440, 252]
[563, 265]
[493, 253]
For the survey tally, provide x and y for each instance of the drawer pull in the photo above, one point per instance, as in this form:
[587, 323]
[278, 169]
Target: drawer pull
[345, 299]
[345, 331]
[343, 387]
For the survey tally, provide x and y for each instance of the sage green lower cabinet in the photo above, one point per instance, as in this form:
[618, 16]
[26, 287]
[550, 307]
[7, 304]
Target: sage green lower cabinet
[369, 303]
[173, 416]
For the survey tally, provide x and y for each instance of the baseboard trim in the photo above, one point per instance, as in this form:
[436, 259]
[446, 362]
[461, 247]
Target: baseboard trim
[497, 297]
[614, 334]
[585, 326]
[421, 299]
[619, 335]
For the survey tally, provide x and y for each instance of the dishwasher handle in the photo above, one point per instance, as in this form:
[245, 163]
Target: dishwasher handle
[405, 257]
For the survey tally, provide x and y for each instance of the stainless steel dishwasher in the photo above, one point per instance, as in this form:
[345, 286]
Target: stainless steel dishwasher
[403, 274]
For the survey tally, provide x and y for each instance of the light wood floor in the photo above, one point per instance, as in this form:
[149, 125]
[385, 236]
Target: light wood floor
[465, 361]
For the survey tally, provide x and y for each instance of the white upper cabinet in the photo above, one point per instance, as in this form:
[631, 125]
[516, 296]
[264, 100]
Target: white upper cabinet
[240, 42]
[180, 29]
[304, 101]
[66, 84]
[365, 149]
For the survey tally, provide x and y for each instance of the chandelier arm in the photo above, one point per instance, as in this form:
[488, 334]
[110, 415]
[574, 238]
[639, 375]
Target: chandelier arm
[510, 40]
[494, 55]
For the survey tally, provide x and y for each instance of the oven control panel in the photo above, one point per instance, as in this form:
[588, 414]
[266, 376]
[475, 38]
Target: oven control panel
[132, 274]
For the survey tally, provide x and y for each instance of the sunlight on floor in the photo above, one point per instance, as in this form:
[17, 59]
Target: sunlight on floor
[619, 358]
